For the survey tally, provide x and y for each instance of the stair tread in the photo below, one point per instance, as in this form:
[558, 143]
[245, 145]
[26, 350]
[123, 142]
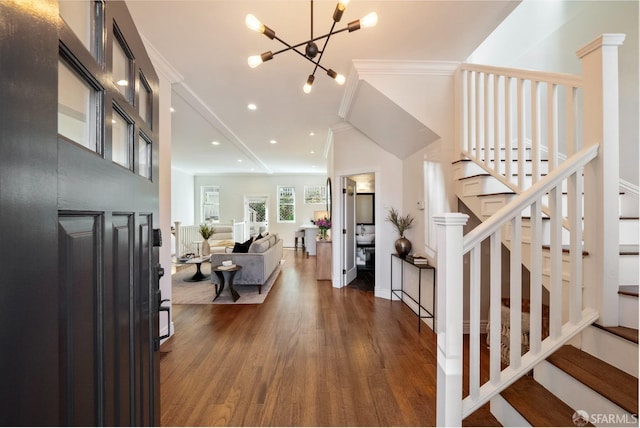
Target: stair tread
[607, 380]
[481, 418]
[629, 250]
[630, 334]
[565, 249]
[546, 410]
[628, 290]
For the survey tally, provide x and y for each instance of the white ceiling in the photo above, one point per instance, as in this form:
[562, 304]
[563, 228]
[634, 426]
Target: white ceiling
[207, 44]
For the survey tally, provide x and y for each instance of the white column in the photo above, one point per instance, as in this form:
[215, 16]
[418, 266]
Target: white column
[449, 326]
[602, 177]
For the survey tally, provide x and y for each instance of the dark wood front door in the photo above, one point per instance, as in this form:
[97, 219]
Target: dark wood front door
[78, 206]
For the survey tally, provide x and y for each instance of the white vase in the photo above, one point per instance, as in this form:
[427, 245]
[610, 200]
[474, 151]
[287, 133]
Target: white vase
[206, 248]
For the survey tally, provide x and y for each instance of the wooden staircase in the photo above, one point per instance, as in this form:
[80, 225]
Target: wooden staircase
[545, 187]
[571, 379]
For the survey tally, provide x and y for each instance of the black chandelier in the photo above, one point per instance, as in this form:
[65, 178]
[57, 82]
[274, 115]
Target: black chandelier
[311, 48]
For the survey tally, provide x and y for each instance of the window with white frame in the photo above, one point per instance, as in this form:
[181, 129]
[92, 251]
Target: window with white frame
[211, 204]
[286, 204]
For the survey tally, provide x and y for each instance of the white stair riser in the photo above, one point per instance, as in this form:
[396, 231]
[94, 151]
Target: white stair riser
[577, 395]
[629, 205]
[628, 270]
[492, 203]
[611, 349]
[526, 234]
[481, 186]
[466, 169]
[628, 308]
[502, 155]
[506, 414]
[629, 231]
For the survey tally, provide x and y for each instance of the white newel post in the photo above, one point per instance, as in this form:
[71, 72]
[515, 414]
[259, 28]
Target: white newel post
[449, 326]
[602, 177]
[179, 250]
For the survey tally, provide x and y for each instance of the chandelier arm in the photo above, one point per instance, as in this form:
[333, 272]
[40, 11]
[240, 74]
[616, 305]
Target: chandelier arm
[317, 64]
[324, 47]
[297, 45]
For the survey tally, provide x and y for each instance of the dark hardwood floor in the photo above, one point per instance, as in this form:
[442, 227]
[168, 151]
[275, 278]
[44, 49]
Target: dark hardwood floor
[311, 355]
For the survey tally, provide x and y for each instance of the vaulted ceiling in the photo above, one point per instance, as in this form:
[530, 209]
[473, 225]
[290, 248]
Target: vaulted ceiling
[207, 44]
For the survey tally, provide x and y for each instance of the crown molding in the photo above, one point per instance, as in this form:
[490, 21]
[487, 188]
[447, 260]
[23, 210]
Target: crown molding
[349, 92]
[160, 62]
[183, 90]
[366, 67]
[340, 127]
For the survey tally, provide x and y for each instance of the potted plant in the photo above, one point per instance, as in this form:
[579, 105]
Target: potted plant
[401, 223]
[206, 231]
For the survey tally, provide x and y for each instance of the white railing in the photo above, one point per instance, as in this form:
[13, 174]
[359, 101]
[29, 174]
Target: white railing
[490, 122]
[507, 114]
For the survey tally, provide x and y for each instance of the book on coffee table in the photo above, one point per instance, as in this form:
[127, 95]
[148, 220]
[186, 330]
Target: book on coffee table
[225, 267]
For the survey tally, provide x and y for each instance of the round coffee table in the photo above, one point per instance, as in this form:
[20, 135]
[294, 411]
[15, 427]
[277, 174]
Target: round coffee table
[226, 277]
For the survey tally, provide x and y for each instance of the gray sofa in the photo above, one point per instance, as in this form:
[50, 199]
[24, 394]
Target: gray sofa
[257, 265]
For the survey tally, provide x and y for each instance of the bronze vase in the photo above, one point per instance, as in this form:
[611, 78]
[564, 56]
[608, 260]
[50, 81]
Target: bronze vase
[403, 247]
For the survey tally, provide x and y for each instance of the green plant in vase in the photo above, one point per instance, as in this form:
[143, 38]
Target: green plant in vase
[206, 232]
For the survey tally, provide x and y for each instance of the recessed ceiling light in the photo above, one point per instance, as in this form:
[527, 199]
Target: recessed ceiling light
[239, 160]
[172, 110]
[113, 121]
[312, 152]
[215, 143]
[252, 106]
[311, 134]
[273, 141]
[122, 82]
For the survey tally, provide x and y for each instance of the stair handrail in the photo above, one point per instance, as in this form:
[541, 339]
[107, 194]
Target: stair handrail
[593, 165]
[526, 198]
[451, 248]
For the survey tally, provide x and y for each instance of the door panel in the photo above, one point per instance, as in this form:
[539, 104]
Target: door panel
[80, 325]
[79, 241]
[123, 369]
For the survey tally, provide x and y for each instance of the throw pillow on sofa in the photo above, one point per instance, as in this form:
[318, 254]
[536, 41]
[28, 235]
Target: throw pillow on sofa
[259, 245]
[242, 247]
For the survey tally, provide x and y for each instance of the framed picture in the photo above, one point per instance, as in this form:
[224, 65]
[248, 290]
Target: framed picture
[315, 194]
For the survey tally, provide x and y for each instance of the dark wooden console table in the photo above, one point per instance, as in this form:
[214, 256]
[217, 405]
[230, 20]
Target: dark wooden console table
[401, 293]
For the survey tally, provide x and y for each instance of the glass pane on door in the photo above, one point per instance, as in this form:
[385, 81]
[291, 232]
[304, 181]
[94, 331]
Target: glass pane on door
[121, 140]
[77, 108]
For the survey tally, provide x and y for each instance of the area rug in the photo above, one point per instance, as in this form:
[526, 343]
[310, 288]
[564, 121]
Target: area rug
[204, 291]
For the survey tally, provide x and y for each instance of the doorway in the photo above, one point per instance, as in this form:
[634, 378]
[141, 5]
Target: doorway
[360, 225]
[256, 214]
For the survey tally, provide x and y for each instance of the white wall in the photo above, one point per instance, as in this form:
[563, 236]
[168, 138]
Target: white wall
[233, 189]
[354, 153]
[427, 174]
[544, 35]
[165, 195]
[182, 198]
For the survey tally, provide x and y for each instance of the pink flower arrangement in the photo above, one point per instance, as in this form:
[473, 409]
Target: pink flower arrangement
[323, 223]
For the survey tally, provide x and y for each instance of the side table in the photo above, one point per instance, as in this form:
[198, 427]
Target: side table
[198, 276]
[401, 293]
[225, 275]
